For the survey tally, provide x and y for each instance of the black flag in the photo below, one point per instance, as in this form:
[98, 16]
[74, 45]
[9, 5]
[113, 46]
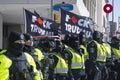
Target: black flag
[74, 24]
[39, 26]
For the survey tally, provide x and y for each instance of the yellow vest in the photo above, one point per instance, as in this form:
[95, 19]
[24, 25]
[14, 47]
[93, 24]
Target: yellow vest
[116, 53]
[85, 51]
[39, 53]
[3, 51]
[5, 64]
[61, 66]
[107, 48]
[77, 60]
[101, 55]
[31, 62]
[40, 56]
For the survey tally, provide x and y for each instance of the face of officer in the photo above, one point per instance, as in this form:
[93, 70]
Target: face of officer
[59, 46]
[28, 42]
[82, 38]
[16, 43]
[49, 45]
[98, 36]
[66, 39]
[74, 43]
[115, 41]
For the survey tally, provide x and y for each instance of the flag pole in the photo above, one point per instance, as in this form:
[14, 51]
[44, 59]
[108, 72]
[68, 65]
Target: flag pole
[24, 15]
[52, 2]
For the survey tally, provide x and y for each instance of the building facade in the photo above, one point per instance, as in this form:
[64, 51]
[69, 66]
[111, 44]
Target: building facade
[95, 8]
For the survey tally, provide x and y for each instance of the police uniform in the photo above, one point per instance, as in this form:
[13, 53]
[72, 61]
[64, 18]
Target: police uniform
[83, 43]
[97, 57]
[68, 58]
[78, 65]
[44, 46]
[22, 68]
[78, 59]
[115, 47]
[58, 67]
[34, 52]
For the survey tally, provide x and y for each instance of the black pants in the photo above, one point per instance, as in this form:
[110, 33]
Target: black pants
[79, 74]
[60, 77]
[104, 70]
[112, 75]
[92, 70]
[117, 69]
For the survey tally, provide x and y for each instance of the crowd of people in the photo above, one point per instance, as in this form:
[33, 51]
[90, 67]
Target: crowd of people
[72, 58]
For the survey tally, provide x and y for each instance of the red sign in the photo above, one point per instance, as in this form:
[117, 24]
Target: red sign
[108, 8]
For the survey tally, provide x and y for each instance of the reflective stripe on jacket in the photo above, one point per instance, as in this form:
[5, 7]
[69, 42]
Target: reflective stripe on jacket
[101, 55]
[107, 49]
[61, 66]
[77, 60]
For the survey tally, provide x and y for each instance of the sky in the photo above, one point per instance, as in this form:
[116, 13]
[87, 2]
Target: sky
[116, 10]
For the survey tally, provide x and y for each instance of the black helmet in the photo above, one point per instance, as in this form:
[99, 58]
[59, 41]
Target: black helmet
[28, 43]
[43, 45]
[14, 36]
[82, 38]
[115, 40]
[73, 38]
[58, 45]
[98, 36]
[66, 39]
[28, 37]
[16, 43]
[74, 42]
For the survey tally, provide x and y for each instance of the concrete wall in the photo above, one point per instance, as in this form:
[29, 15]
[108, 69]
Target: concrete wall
[1, 31]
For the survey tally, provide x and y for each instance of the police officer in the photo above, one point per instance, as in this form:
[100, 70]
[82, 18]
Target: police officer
[34, 52]
[23, 66]
[109, 61]
[44, 46]
[67, 54]
[107, 51]
[58, 66]
[83, 43]
[78, 60]
[115, 45]
[97, 58]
